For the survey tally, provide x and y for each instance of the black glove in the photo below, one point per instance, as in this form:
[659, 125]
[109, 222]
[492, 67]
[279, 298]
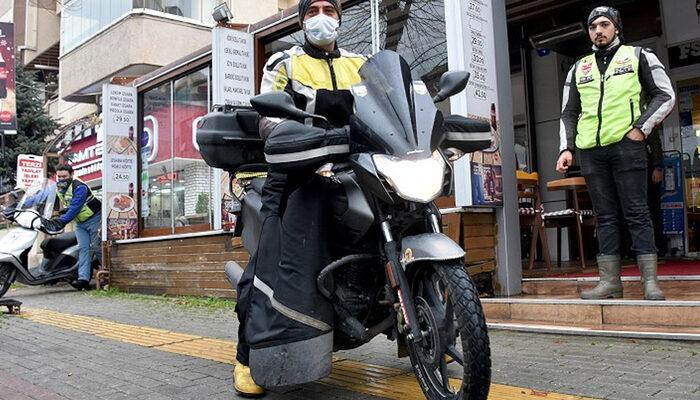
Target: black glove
[53, 225]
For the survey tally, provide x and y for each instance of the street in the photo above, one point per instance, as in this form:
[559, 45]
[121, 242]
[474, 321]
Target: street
[69, 345]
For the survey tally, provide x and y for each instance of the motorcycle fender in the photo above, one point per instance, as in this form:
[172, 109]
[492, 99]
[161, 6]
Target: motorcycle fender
[429, 247]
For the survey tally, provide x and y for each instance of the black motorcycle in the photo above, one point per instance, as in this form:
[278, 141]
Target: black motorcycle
[405, 278]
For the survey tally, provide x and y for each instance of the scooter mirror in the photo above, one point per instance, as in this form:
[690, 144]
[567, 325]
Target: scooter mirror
[280, 105]
[451, 83]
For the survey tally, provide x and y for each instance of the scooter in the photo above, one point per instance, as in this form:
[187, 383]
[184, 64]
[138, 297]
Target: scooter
[31, 215]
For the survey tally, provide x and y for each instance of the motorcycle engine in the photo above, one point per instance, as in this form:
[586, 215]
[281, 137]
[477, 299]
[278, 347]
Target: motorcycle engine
[356, 289]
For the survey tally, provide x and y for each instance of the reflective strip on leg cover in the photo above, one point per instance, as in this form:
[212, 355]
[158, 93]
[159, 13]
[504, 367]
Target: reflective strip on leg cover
[307, 154]
[288, 312]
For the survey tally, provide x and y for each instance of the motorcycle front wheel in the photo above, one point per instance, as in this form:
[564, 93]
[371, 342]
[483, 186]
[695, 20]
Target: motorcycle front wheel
[7, 276]
[455, 340]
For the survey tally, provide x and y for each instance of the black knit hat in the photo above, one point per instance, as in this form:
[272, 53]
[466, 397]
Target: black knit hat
[305, 4]
[610, 13]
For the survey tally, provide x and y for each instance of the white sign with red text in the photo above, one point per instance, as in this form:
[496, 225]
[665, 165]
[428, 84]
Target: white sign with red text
[30, 169]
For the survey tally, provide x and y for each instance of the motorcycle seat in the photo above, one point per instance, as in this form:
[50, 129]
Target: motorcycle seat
[56, 244]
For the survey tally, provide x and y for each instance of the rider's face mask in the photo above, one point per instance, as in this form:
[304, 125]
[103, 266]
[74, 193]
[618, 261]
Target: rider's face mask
[321, 30]
[63, 183]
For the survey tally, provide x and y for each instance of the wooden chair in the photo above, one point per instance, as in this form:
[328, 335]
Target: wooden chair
[531, 215]
[571, 217]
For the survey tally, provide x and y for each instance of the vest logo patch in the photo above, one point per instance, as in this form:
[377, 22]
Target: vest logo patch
[623, 61]
[585, 79]
[627, 69]
[586, 68]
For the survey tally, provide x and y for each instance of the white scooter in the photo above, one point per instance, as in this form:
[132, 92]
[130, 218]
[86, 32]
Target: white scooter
[60, 250]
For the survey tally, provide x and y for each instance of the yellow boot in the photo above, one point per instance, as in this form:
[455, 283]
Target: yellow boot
[244, 384]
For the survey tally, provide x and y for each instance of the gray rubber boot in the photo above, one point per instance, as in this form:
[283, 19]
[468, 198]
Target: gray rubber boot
[647, 266]
[610, 285]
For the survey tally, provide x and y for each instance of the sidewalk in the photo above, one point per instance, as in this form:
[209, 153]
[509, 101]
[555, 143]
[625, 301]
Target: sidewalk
[57, 363]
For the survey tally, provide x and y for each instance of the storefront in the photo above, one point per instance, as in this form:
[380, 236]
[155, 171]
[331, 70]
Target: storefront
[182, 201]
[181, 198]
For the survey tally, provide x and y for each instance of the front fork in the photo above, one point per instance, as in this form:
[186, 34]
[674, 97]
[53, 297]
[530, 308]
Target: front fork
[396, 276]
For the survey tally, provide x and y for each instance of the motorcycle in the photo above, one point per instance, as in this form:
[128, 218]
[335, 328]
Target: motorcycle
[405, 279]
[31, 214]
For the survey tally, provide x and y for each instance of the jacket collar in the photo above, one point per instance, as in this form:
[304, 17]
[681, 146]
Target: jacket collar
[315, 52]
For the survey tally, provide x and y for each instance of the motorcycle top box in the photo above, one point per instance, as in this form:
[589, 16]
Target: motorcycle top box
[228, 139]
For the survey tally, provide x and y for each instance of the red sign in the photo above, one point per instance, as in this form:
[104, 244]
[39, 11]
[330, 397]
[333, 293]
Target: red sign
[30, 170]
[85, 156]
[8, 108]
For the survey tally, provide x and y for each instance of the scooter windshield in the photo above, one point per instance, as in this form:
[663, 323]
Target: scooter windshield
[39, 197]
[393, 114]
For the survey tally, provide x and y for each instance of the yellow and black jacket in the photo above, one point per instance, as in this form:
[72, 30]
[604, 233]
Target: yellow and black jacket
[318, 81]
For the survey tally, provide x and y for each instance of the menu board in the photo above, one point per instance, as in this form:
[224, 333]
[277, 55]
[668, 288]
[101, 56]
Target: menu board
[233, 64]
[120, 175]
[233, 80]
[478, 176]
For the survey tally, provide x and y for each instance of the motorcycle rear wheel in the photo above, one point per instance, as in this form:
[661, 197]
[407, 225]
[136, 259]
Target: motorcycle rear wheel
[7, 277]
[449, 309]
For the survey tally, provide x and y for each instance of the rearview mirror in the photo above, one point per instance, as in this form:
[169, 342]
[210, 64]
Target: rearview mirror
[279, 105]
[451, 83]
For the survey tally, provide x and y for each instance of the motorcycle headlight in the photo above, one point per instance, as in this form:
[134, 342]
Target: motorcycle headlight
[414, 180]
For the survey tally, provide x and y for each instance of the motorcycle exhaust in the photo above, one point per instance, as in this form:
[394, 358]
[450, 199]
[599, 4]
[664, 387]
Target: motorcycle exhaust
[234, 273]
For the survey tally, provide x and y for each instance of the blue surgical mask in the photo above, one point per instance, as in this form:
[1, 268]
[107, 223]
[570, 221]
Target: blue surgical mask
[321, 30]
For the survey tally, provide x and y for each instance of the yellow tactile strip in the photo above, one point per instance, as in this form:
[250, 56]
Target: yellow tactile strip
[375, 380]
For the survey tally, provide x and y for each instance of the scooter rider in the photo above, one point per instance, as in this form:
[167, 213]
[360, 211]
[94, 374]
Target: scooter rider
[606, 117]
[318, 76]
[81, 205]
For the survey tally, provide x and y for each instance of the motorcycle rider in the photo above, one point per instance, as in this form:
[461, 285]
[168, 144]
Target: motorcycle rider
[318, 76]
[81, 205]
[605, 116]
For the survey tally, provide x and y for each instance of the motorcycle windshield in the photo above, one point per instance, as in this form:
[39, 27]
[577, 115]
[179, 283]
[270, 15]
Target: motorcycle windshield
[393, 114]
[39, 197]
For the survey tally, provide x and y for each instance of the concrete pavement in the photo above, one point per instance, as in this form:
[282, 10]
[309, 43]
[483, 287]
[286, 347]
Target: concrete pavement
[42, 361]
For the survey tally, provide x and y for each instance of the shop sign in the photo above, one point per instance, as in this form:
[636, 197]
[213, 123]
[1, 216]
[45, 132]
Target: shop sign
[684, 54]
[233, 64]
[30, 170]
[120, 177]
[478, 175]
[8, 108]
[86, 158]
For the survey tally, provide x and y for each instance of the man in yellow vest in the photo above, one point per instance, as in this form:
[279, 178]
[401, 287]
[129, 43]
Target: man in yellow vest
[606, 117]
[81, 206]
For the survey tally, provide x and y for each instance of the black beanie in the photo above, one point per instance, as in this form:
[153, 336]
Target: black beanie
[610, 13]
[305, 4]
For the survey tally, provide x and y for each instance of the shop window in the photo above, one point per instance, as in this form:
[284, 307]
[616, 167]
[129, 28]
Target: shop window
[193, 178]
[177, 182]
[156, 155]
[689, 113]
